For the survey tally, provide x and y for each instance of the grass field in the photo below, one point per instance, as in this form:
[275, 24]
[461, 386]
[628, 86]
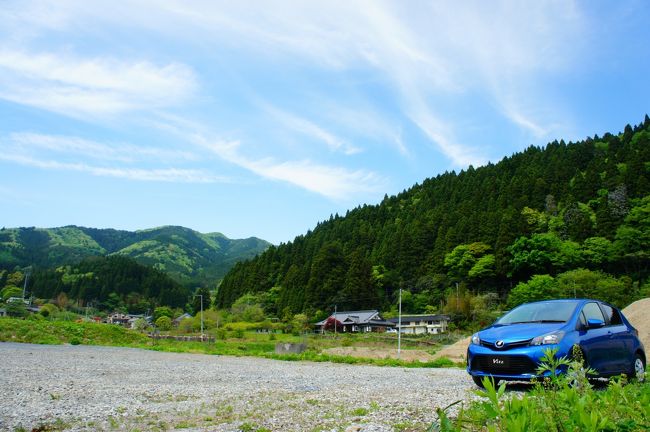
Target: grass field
[231, 343]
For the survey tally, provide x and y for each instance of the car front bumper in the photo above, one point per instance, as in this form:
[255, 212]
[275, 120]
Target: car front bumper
[519, 363]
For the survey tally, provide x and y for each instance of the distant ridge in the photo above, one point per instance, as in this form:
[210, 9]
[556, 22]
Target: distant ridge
[186, 255]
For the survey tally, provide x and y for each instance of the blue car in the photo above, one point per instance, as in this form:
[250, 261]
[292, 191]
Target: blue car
[512, 347]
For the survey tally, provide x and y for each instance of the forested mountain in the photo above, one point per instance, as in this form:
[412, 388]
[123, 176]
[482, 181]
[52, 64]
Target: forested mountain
[111, 283]
[567, 207]
[188, 256]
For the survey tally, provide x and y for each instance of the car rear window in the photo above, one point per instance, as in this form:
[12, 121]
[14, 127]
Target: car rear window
[540, 312]
[612, 315]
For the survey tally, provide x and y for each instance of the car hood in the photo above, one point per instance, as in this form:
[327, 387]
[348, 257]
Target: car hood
[518, 332]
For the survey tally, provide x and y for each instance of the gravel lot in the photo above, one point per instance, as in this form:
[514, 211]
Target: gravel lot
[105, 388]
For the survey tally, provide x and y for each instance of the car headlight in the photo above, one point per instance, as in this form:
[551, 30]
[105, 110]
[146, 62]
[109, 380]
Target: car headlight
[476, 340]
[548, 339]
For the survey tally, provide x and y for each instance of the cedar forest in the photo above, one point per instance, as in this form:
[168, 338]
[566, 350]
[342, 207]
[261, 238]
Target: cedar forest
[570, 219]
[564, 220]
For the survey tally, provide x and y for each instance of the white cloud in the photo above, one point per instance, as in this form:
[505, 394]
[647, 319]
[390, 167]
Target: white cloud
[311, 129]
[332, 182]
[70, 145]
[172, 175]
[426, 60]
[429, 55]
[91, 86]
[359, 118]
[66, 153]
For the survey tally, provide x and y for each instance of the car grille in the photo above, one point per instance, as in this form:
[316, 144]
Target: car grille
[514, 365]
[506, 346]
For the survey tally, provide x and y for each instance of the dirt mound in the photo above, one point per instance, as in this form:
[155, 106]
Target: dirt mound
[456, 352]
[638, 314]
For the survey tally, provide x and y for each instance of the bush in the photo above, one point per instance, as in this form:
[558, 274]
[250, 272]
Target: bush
[162, 311]
[164, 323]
[48, 310]
[16, 309]
[141, 324]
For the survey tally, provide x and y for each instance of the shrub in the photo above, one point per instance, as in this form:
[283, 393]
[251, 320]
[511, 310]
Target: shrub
[16, 309]
[164, 323]
[11, 291]
[162, 311]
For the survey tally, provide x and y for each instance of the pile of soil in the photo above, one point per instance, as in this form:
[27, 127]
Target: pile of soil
[456, 352]
[638, 314]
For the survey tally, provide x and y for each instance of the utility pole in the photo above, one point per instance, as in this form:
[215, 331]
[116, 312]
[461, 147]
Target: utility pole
[335, 320]
[457, 298]
[25, 285]
[399, 326]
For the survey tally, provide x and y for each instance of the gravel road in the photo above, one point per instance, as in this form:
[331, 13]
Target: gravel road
[106, 388]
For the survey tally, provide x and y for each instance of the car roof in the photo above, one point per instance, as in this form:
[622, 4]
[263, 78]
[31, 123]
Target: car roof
[565, 300]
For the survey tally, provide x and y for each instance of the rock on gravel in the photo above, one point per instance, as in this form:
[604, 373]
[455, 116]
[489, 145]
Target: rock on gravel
[107, 388]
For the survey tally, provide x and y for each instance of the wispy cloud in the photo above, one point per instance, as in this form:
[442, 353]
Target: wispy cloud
[70, 145]
[423, 62]
[311, 129]
[126, 161]
[332, 182]
[500, 57]
[96, 86]
[172, 175]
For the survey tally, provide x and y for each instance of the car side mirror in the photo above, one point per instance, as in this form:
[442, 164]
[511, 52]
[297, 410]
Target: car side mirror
[595, 323]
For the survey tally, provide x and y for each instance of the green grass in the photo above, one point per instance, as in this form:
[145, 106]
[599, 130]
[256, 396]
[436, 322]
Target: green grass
[558, 403]
[61, 332]
[253, 344]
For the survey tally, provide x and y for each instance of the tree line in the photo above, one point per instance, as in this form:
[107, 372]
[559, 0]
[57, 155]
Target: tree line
[109, 283]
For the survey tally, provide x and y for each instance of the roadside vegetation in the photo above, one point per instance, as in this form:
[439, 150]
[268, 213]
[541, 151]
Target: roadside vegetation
[234, 342]
[567, 402]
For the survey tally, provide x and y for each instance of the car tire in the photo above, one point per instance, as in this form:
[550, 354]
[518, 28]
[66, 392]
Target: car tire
[638, 371]
[479, 381]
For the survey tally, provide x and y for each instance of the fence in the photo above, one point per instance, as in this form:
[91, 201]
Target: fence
[202, 338]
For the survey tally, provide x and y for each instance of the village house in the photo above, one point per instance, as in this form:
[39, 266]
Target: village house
[355, 322]
[125, 320]
[422, 324]
[176, 321]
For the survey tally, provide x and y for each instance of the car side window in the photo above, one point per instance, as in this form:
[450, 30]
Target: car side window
[583, 320]
[592, 311]
[612, 315]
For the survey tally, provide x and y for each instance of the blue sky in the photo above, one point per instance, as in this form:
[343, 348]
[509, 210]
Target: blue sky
[263, 118]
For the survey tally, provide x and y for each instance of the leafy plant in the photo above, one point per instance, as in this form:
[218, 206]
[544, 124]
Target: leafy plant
[561, 402]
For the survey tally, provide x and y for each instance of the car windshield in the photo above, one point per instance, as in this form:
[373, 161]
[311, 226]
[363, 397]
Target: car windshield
[539, 312]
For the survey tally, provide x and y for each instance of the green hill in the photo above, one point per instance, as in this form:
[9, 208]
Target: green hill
[557, 211]
[186, 255]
